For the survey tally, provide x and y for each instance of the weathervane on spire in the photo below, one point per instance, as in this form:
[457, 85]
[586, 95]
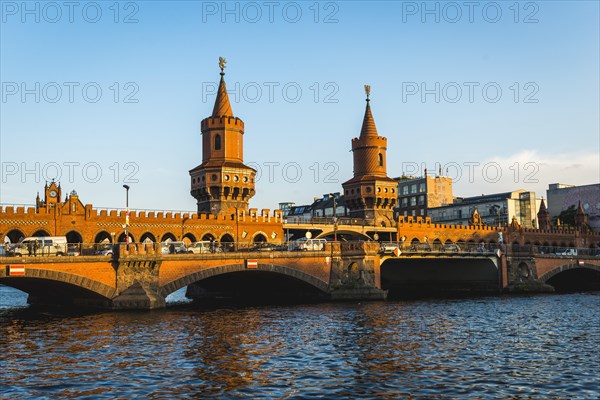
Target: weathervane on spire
[222, 63]
[368, 91]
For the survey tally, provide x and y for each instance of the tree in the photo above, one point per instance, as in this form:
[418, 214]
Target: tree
[567, 217]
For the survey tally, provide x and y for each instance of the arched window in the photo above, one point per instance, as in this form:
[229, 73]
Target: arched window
[218, 142]
[380, 160]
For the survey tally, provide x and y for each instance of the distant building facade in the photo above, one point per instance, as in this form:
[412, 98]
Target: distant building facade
[561, 197]
[417, 195]
[321, 207]
[494, 209]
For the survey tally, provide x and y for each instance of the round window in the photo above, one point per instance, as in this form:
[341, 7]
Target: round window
[213, 177]
[236, 178]
[226, 178]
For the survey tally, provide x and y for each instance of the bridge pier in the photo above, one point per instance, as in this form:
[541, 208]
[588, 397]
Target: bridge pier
[137, 284]
[522, 277]
[356, 272]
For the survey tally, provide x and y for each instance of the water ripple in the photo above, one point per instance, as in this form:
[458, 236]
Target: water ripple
[510, 347]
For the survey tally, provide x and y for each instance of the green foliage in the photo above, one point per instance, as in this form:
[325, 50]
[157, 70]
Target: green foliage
[567, 217]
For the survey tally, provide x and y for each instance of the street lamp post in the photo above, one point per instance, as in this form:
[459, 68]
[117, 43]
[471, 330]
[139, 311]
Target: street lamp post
[334, 217]
[183, 226]
[126, 213]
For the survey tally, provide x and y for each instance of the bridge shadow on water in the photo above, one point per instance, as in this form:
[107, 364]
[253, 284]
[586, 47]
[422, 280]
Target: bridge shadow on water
[255, 288]
[408, 278]
[576, 280]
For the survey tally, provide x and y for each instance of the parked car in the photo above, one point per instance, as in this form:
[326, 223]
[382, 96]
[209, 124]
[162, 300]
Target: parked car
[387, 248]
[202, 247]
[41, 246]
[265, 247]
[177, 247]
[420, 247]
[566, 252]
[106, 250]
[304, 244]
[450, 247]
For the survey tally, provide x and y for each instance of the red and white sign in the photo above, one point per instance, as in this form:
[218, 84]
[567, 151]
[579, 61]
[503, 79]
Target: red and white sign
[16, 271]
[397, 252]
[251, 264]
[581, 263]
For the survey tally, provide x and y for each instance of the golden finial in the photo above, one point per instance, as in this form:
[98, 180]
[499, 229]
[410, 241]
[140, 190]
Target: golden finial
[368, 91]
[222, 63]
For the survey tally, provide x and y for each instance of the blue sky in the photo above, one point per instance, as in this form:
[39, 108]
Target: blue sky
[504, 95]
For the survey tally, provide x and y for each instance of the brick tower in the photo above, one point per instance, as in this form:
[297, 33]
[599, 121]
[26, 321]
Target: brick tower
[581, 219]
[544, 217]
[370, 193]
[222, 182]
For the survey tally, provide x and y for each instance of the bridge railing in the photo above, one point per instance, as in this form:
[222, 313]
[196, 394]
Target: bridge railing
[330, 221]
[528, 249]
[440, 248]
[200, 249]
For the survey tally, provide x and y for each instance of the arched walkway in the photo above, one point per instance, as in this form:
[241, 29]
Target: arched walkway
[40, 232]
[227, 242]
[103, 237]
[208, 237]
[15, 235]
[122, 238]
[343, 234]
[189, 238]
[168, 237]
[259, 238]
[74, 237]
[147, 237]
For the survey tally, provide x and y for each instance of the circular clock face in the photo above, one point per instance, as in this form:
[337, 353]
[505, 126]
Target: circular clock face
[53, 193]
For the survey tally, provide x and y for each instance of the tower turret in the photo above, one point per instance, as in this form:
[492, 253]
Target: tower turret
[370, 193]
[581, 219]
[543, 217]
[222, 182]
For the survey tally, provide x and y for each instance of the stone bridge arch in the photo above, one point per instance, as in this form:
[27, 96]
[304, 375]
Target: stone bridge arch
[31, 282]
[203, 274]
[356, 235]
[567, 267]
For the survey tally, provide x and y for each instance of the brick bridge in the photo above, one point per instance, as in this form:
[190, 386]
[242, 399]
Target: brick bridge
[139, 277]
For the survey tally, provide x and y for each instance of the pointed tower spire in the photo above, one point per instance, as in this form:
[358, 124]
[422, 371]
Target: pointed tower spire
[222, 106]
[543, 217]
[222, 182]
[370, 194]
[368, 126]
[581, 220]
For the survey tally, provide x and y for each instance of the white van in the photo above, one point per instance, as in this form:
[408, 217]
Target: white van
[178, 247]
[304, 244]
[202, 247]
[41, 246]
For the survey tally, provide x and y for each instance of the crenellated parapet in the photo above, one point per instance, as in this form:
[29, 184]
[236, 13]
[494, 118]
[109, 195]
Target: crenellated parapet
[229, 122]
[90, 225]
[423, 229]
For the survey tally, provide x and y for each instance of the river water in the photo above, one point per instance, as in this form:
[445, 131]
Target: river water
[538, 346]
